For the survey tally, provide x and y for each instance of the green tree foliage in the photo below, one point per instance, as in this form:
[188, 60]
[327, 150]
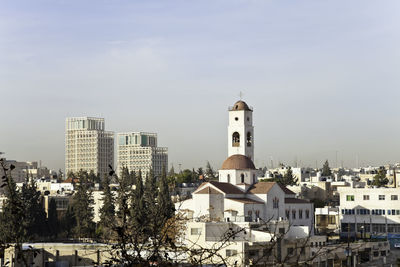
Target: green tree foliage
[138, 209]
[164, 199]
[186, 176]
[171, 171]
[288, 178]
[380, 178]
[210, 174]
[35, 216]
[52, 219]
[326, 170]
[107, 211]
[150, 198]
[68, 222]
[11, 228]
[83, 207]
[200, 171]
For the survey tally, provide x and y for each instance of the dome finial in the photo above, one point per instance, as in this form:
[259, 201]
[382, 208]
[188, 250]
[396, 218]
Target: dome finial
[240, 105]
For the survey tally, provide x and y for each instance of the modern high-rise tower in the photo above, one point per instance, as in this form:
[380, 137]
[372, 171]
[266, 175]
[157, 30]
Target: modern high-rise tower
[88, 146]
[139, 151]
[241, 130]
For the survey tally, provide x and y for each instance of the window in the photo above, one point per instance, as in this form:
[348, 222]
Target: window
[350, 198]
[365, 197]
[253, 253]
[281, 230]
[381, 197]
[300, 214]
[293, 214]
[195, 231]
[257, 213]
[236, 118]
[287, 214]
[394, 197]
[229, 178]
[307, 214]
[248, 138]
[275, 203]
[235, 139]
[290, 251]
[250, 213]
[230, 252]
[242, 178]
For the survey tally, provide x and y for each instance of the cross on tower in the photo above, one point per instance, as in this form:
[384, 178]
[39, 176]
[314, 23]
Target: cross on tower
[240, 95]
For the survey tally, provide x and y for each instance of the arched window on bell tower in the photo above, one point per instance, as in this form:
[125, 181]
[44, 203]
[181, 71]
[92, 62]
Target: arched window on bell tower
[242, 178]
[229, 178]
[235, 139]
[248, 139]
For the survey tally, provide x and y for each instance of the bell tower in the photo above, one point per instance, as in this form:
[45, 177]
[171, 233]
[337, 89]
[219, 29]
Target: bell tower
[241, 130]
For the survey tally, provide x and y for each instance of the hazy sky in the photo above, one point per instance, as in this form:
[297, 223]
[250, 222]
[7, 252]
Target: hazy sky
[322, 76]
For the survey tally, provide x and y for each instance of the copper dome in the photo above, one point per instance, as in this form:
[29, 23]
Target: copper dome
[240, 105]
[238, 162]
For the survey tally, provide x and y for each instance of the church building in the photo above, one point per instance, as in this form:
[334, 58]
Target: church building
[238, 198]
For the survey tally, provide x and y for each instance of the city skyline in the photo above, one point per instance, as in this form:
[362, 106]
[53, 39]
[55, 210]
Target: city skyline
[321, 77]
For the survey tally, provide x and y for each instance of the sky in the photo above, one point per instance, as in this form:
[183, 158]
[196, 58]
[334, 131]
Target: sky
[322, 76]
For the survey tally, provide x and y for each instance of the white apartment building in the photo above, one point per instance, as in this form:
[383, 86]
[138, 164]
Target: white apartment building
[88, 146]
[370, 212]
[139, 151]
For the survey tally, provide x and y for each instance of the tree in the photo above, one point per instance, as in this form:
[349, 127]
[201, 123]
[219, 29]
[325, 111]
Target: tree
[171, 171]
[326, 170]
[200, 171]
[195, 176]
[210, 174]
[186, 176]
[380, 178]
[60, 176]
[164, 199]
[138, 212]
[13, 229]
[52, 219]
[83, 207]
[35, 220]
[288, 178]
[107, 211]
[68, 222]
[150, 198]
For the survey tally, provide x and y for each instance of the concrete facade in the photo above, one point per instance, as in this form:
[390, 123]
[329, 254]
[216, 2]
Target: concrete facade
[139, 151]
[88, 146]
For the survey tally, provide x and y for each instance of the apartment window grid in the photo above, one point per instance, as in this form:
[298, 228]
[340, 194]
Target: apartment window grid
[381, 197]
[394, 197]
[365, 197]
